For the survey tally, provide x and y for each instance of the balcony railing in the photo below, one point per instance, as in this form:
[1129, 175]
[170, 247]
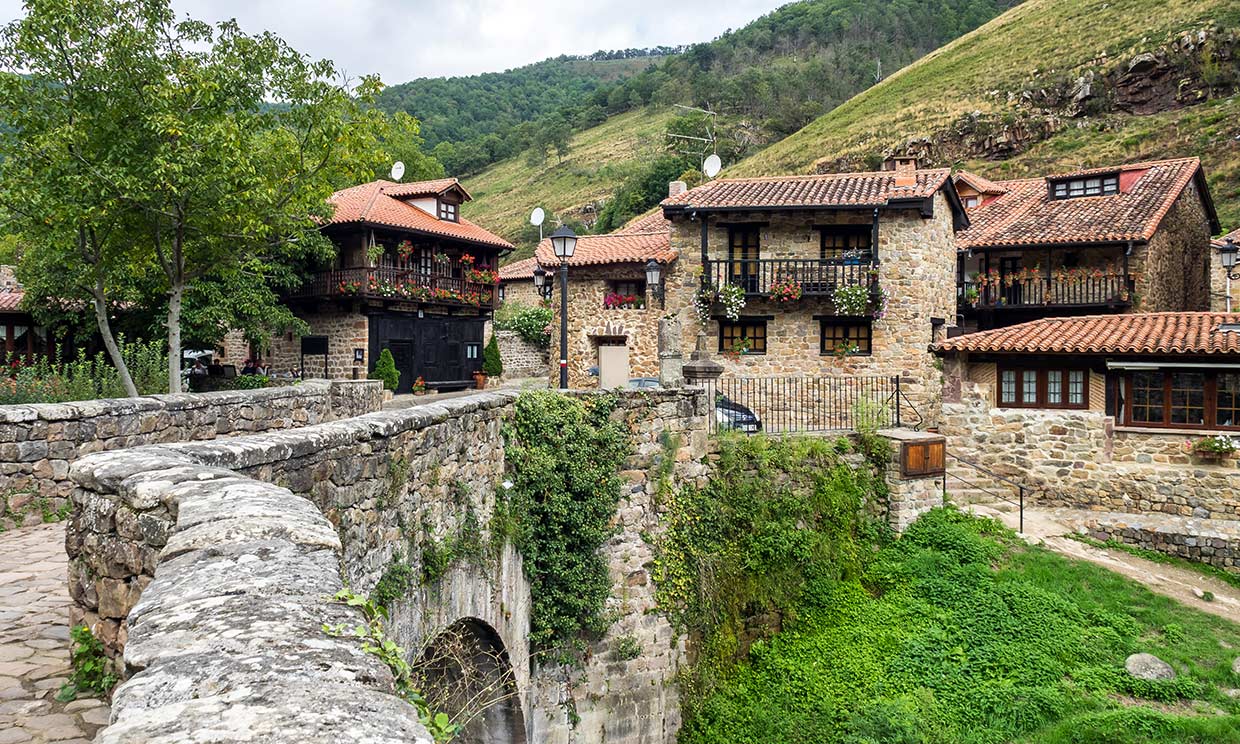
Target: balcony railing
[400, 284]
[1108, 289]
[816, 277]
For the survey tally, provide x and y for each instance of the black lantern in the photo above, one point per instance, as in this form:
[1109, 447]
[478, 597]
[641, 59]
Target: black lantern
[542, 282]
[654, 276]
[1227, 256]
[563, 242]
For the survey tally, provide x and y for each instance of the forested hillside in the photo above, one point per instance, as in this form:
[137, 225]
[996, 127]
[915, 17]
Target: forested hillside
[765, 81]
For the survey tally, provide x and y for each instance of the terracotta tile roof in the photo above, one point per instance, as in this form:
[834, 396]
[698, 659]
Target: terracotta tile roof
[872, 189]
[1027, 216]
[11, 300]
[1218, 242]
[1141, 333]
[523, 269]
[631, 247]
[377, 203]
[980, 184]
[646, 223]
[425, 188]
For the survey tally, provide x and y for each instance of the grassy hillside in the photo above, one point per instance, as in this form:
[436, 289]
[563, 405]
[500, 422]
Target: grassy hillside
[598, 160]
[1039, 43]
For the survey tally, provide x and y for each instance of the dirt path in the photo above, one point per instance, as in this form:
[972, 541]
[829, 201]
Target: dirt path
[1181, 584]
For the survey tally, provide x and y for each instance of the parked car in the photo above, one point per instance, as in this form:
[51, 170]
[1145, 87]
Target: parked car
[643, 383]
[732, 415]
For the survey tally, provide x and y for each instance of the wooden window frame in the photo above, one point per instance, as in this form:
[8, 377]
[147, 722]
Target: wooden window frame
[824, 324]
[743, 323]
[1209, 401]
[743, 269]
[449, 211]
[1075, 188]
[1040, 393]
[866, 230]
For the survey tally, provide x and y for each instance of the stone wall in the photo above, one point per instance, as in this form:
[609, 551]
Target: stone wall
[346, 329]
[908, 497]
[1176, 261]
[1080, 459]
[387, 482]
[521, 359]
[39, 442]
[522, 291]
[917, 270]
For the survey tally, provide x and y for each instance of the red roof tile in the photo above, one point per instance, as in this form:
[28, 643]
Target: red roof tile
[1141, 333]
[647, 223]
[633, 247]
[1027, 215]
[377, 203]
[872, 189]
[11, 300]
[523, 269]
[425, 188]
[980, 184]
[1234, 235]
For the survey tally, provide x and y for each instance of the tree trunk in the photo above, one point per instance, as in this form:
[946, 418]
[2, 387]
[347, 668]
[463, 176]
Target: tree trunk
[109, 341]
[174, 337]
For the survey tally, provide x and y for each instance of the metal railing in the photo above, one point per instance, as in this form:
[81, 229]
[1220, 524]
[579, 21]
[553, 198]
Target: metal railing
[1109, 289]
[816, 276]
[1021, 489]
[399, 284]
[804, 404]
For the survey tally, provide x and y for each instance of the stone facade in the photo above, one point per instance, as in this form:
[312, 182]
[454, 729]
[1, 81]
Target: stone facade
[384, 481]
[589, 323]
[521, 359]
[233, 349]
[1081, 459]
[917, 270]
[1204, 540]
[1174, 266]
[908, 497]
[520, 291]
[346, 329]
[39, 442]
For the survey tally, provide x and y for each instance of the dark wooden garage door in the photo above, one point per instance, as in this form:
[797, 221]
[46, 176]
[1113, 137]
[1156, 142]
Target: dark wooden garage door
[445, 351]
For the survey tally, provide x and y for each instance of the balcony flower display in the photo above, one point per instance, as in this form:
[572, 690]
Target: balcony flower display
[349, 288]
[442, 258]
[1212, 448]
[786, 290]
[730, 297]
[467, 259]
[405, 249]
[852, 299]
[481, 274]
[614, 300]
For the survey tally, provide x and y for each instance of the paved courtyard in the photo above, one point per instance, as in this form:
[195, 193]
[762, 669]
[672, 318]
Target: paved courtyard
[34, 642]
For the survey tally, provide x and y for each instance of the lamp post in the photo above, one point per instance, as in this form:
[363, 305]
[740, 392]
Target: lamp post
[563, 243]
[654, 272]
[541, 284]
[1227, 256]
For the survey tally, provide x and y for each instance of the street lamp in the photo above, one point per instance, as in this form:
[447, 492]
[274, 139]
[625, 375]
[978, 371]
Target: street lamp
[563, 243]
[541, 283]
[1227, 256]
[654, 273]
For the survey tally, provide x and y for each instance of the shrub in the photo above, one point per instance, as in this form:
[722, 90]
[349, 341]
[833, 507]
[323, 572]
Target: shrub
[492, 365]
[92, 672]
[385, 369]
[42, 380]
[530, 323]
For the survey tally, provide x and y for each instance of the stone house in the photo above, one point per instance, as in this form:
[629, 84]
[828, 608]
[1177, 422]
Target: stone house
[846, 274]
[1103, 412]
[409, 275]
[1220, 286]
[613, 319]
[1128, 238]
[516, 282]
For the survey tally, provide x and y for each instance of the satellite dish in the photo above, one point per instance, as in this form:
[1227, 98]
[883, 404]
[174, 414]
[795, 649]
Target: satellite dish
[398, 170]
[711, 166]
[537, 216]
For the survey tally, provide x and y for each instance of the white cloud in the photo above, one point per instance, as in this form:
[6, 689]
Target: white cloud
[405, 39]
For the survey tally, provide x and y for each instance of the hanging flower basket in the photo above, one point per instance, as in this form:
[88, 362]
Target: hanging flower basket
[786, 290]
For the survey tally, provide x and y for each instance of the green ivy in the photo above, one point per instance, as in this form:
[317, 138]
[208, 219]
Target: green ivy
[530, 323]
[565, 456]
[394, 584]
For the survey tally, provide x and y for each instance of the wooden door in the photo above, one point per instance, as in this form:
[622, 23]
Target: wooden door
[402, 353]
[744, 255]
[1009, 266]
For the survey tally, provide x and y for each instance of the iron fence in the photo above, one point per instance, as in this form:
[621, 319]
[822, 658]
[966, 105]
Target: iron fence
[815, 276]
[1108, 289]
[804, 404]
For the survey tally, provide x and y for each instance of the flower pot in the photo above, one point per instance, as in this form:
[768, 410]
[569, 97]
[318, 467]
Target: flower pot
[480, 380]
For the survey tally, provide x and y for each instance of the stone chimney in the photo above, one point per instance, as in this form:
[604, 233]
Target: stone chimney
[905, 167]
[676, 187]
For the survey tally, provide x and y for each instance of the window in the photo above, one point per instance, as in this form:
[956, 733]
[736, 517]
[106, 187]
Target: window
[630, 288]
[447, 211]
[1088, 186]
[471, 350]
[1182, 399]
[1043, 388]
[747, 336]
[503, 292]
[425, 261]
[744, 252]
[845, 242]
[845, 338]
[971, 201]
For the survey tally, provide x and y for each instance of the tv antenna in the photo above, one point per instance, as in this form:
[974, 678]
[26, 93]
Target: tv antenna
[398, 170]
[708, 149]
[536, 218]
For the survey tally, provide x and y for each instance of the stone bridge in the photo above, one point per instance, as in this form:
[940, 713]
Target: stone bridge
[215, 562]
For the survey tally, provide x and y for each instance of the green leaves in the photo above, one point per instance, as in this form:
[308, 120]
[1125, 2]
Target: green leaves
[92, 670]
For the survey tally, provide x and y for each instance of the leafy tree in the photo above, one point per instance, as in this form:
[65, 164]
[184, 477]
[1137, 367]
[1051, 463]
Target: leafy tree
[385, 369]
[160, 154]
[492, 365]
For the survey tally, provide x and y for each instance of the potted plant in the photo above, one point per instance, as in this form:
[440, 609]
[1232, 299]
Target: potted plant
[972, 296]
[385, 369]
[492, 365]
[419, 386]
[1211, 448]
[786, 290]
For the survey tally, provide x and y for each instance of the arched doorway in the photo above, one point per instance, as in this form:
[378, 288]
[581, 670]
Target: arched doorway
[465, 672]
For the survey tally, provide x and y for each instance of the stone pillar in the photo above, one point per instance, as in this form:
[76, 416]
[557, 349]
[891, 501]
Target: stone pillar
[701, 369]
[671, 362]
[909, 495]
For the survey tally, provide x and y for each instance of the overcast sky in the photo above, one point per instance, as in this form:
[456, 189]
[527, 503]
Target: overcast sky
[406, 39]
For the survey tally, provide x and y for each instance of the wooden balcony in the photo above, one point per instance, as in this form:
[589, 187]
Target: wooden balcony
[817, 277]
[400, 285]
[1105, 290]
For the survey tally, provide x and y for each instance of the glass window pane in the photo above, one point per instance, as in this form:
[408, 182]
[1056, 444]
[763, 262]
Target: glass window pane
[1228, 400]
[1054, 388]
[1029, 387]
[1147, 397]
[1188, 398]
[1076, 387]
[1007, 387]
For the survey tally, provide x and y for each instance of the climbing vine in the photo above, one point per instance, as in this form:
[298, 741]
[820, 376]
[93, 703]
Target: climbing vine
[565, 456]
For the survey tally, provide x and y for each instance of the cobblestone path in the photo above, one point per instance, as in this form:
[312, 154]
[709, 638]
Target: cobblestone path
[34, 642]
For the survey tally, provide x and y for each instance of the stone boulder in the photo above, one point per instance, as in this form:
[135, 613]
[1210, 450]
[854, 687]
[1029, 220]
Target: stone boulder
[1148, 666]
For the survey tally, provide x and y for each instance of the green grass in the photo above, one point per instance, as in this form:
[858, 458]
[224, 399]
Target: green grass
[957, 632]
[598, 161]
[1204, 569]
